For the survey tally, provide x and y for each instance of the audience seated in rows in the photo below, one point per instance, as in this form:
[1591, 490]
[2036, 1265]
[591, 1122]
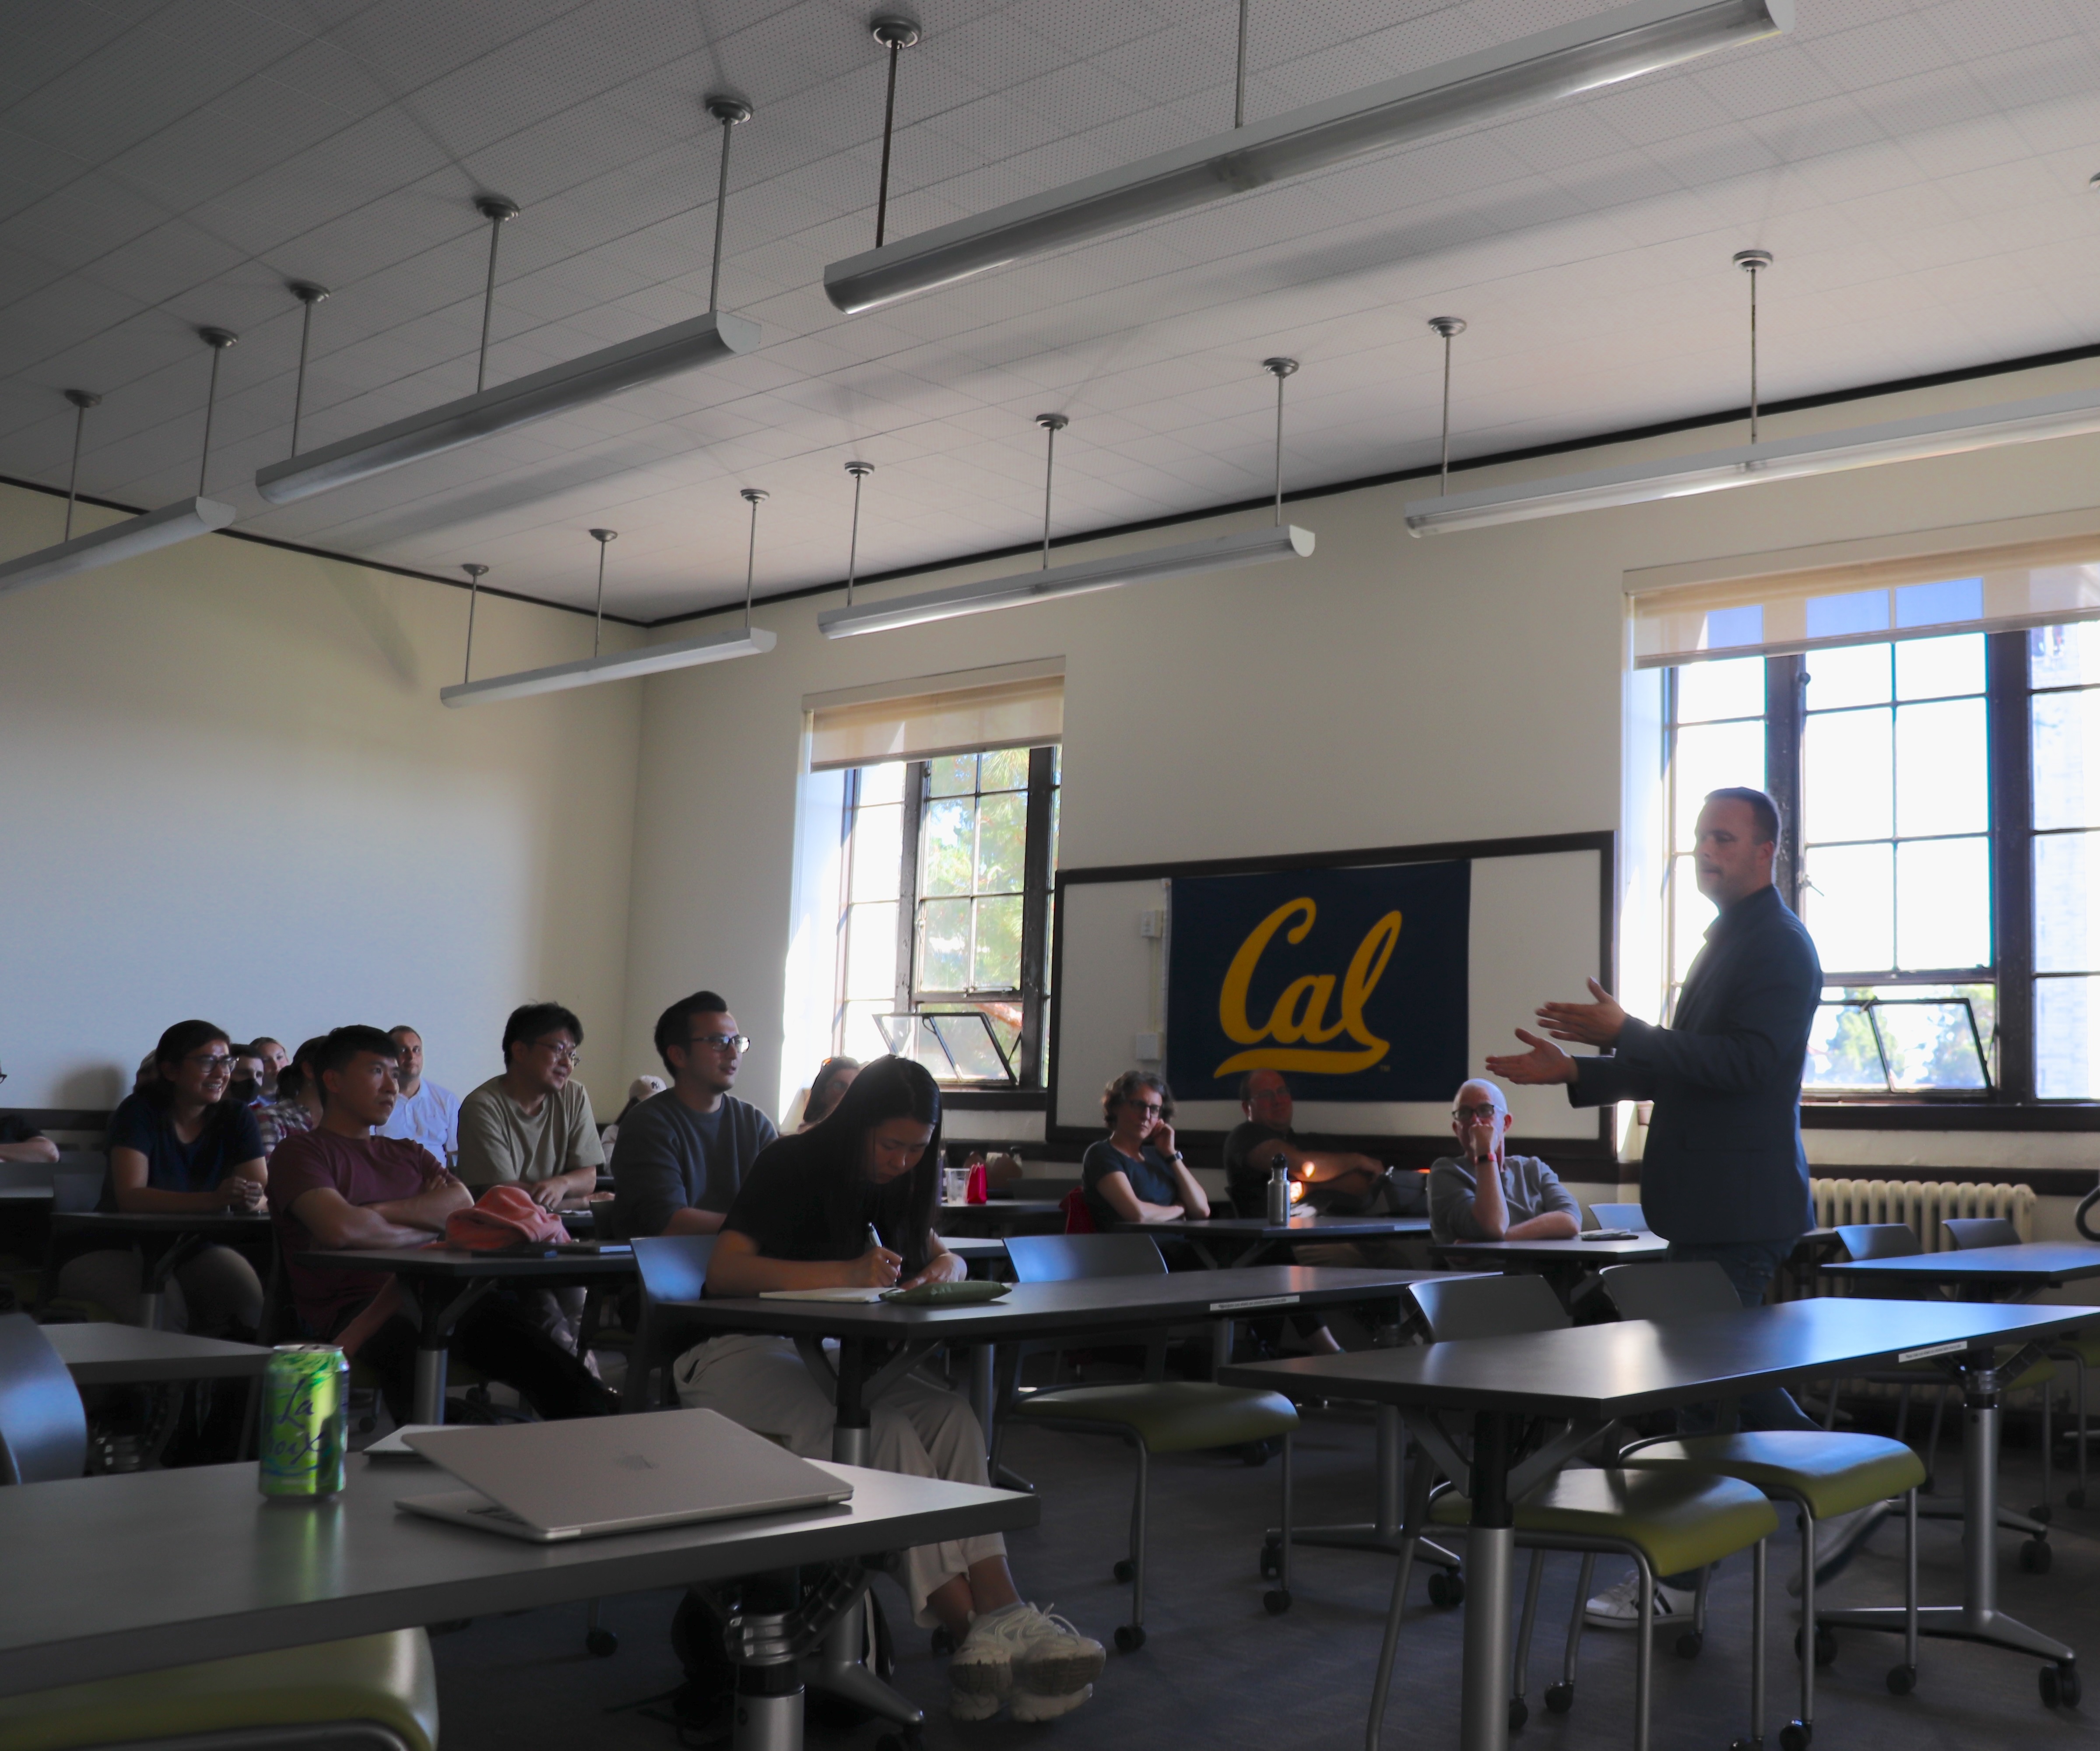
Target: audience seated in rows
[1135, 1173]
[245, 1087]
[834, 1076]
[297, 1106]
[684, 1153]
[1486, 1193]
[425, 1114]
[178, 1144]
[532, 1125]
[1319, 1173]
[341, 1187]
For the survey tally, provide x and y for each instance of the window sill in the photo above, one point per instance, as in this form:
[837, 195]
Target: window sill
[1948, 1115]
[996, 1099]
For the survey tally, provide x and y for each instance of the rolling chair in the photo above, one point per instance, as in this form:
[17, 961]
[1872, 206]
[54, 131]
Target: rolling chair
[1668, 1522]
[1154, 1415]
[1619, 1216]
[369, 1693]
[1824, 1474]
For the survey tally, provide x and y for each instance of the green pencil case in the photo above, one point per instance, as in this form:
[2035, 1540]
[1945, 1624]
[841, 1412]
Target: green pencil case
[964, 1294]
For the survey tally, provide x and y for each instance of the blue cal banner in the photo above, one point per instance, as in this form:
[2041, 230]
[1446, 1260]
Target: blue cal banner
[1350, 982]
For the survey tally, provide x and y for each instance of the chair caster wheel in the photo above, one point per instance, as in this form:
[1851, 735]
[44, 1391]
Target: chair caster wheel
[1277, 1600]
[2060, 1686]
[1125, 1569]
[1446, 1588]
[1520, 1713]
[1559, 1698]
[602, 1642]
[1129, 1637]
[2042, 1511]
[2034, 1557]
[2074, 1498]
[1903, 1680]
[944, 1643]
[1689, 1643]
[1795, 1736]
[1256, 1455]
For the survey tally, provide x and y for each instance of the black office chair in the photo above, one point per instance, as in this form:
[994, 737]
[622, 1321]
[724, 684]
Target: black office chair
[43, 1425]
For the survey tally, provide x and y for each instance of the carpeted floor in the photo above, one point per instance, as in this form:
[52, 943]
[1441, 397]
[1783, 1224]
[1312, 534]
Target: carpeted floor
[1218, 1670]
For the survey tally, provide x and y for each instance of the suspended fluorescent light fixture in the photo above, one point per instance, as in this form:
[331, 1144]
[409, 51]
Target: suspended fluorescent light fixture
[1252, 547]
[687, 346]
[182, 521]
[650, 659]
[1621, 44]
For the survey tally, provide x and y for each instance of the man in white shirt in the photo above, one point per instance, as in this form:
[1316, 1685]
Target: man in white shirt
[425, 1114]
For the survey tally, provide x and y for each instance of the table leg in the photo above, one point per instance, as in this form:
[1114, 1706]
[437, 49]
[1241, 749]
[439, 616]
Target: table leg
[1382, 1533]
[153, 1280]
[1485, 1674]
[434, 1325]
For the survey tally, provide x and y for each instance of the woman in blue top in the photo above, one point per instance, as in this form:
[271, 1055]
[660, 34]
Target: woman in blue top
[177, 1145]
[1137, 1174]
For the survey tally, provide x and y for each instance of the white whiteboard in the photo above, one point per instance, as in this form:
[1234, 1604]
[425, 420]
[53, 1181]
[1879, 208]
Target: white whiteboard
[1534, 934]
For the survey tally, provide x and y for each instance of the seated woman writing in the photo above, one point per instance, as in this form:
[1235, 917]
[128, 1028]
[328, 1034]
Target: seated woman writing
[1135, 1173]
[802, 1220]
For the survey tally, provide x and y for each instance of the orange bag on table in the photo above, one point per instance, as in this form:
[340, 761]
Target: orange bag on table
[506, 1216]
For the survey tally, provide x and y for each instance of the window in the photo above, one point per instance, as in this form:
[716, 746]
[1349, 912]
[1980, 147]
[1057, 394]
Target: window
[1941, 798]
[946, 916]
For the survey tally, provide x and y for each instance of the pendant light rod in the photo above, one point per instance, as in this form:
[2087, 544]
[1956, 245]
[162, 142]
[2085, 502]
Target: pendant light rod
[498, 212]
[218, 340]
[1239, 77]
[1279, 368]
[860, 471]
[82, 399]
[754, 496]
[1450, 326]
[729, 110]
[602, 536]
[895, 34]
[1051, 425]
[1752, 262]
[474, 574]
[309, 294]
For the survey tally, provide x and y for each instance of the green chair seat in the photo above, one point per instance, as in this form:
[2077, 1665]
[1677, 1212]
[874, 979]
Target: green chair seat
[2084, 1343]
[1168, 1416]
[1678, 1522]
[387, 1678]
[1833, 1474]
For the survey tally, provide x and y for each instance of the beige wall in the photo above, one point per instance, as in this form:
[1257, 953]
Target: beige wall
[227, 789]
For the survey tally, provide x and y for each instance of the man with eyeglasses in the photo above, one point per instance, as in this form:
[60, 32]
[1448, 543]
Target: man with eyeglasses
[1486, 1193]
[683, 1153]
[532, 1125]
[425, 1114]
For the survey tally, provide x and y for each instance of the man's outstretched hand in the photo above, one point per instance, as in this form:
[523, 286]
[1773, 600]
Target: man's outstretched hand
[1596, 1024]
[1545, 1062]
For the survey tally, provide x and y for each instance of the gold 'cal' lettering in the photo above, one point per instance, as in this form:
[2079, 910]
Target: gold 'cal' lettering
[1300, 1014]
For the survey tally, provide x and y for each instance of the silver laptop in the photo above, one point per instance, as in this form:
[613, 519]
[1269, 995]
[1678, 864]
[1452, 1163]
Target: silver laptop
[550, 1481]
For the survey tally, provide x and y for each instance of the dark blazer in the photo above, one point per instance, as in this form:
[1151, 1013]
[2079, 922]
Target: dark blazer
[1724, 1160]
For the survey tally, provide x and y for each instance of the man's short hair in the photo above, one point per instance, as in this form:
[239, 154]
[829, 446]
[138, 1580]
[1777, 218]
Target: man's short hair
[402, 1027]
[1127, 1084]
[261, 1040]
[1764, 812]
[532, 1021]
[674, 1027]
[336, 1052]
[1247, 1084]
[1501, 1100]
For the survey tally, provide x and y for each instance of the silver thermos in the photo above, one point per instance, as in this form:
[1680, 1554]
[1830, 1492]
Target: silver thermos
[1279, 1189]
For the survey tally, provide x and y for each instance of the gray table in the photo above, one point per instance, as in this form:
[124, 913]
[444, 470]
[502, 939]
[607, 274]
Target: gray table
[1590, 1376]
[165, 1238]
[444, 1283]
[1981, 1272]
[1002, 1216]
[28, 1197]
[1563, 1264]
[1241, 1239]
[109, 1355]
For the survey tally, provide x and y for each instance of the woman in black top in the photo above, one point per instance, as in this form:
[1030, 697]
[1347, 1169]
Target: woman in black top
[850, 1204]
[1135, 1173]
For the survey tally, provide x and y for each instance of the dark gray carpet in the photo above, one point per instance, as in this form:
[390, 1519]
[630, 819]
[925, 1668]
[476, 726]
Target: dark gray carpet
[1218, 1670]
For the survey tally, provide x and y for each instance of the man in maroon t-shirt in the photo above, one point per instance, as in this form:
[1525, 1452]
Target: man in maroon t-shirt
[338, 1188]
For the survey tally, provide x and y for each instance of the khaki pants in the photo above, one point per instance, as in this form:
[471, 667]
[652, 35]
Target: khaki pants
[917, 1429]
[211, 1293]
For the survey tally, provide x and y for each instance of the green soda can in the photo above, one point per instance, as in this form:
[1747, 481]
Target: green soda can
[306, 1422]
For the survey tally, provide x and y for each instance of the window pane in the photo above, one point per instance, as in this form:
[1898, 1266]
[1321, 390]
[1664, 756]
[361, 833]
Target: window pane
[1943, 903]
[1845, 768]
[2067, 906]
[944, 945]
[1848, 907]
[2064, 656]
[960, 1047]
[1930, 1045]
[1710, 757]
[952, 776]
[1733, 688]
[1002, 841]
[1842, 1053]
[1851, 675]
[882, 784]
[871, 954]
[878, 847]
[2066, 1046]
[1942, 784]
[859, 1037]
[998, 961]
[947, 853]
[2067, 759]
[1005, 770]
[1932, 669]
[1056, 797]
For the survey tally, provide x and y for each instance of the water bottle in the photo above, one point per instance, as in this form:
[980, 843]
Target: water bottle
[1279, 1190]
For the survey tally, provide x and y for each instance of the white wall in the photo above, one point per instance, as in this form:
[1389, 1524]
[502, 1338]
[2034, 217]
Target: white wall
[227, 789]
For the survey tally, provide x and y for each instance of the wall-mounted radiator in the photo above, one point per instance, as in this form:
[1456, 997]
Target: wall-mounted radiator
[1922, 1204]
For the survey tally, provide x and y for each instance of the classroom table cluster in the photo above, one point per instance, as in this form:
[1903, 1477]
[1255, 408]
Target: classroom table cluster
[1582, 1396]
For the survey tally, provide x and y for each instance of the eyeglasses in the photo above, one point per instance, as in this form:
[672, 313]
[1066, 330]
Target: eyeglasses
[1144, 1106]
[1484, 1114]
[559, 1053]
[210, 1062]
[726, 1042]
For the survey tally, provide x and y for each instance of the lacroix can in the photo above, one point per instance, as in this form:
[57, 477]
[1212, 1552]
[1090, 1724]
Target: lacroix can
[306, 1421]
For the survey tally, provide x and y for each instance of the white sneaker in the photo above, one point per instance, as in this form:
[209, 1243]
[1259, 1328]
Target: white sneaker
[1042, 1662]
[1619, 1607]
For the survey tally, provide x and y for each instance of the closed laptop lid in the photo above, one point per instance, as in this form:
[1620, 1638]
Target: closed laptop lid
[596, 1471]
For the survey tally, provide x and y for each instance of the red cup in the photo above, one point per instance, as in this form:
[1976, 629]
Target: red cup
[977, 1192]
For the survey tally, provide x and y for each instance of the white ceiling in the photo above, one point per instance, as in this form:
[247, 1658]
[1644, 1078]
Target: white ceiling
[1918, 169]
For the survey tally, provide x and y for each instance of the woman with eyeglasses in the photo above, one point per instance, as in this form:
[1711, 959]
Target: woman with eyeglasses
[850, 1204]
[1137, 1174]
[180, 1145]
[828, 1087]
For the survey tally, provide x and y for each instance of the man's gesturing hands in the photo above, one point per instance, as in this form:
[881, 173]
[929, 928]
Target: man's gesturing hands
[1591, 1024]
